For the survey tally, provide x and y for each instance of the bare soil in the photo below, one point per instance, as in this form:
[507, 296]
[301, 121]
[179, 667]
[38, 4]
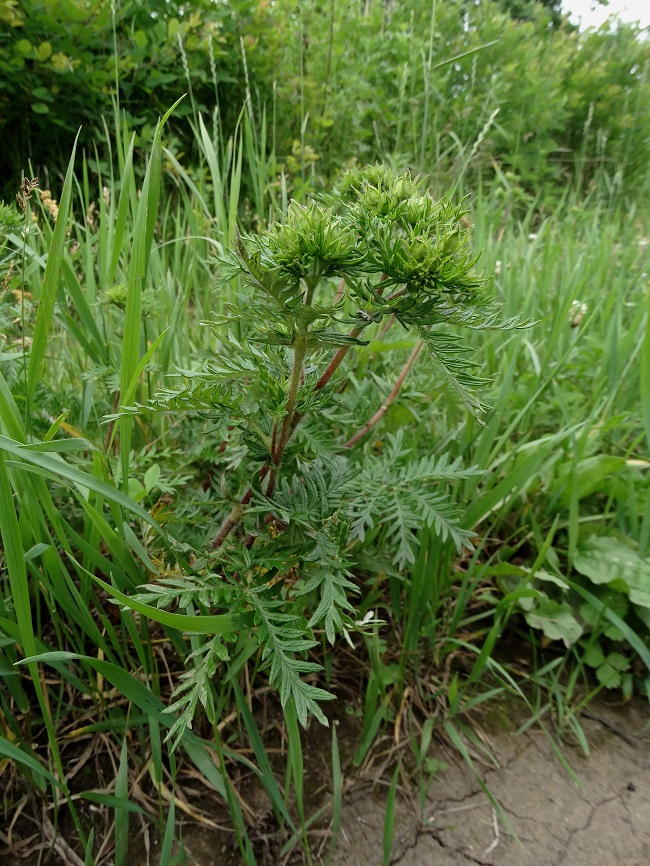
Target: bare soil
[603, 821]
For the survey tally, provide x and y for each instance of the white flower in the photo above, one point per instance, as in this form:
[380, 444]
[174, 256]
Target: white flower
[497, 268]
[532, 236]
[577, 312]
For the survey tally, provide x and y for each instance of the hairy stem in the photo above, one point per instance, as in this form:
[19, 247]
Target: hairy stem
[277, 444]
[379, 414]
[236, 513]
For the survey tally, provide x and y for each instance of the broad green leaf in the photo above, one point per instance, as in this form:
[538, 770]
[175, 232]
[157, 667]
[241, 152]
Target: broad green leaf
[556, 620]
[606, 560]
[635, 641]
[587, 476]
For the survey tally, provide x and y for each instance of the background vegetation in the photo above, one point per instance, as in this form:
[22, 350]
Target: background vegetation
[537, 107]
[108, 271]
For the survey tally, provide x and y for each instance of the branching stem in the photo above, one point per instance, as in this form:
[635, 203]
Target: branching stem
[292, 419]
[379, 414]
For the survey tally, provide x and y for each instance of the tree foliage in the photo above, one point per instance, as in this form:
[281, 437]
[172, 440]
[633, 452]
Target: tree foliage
[484, 89]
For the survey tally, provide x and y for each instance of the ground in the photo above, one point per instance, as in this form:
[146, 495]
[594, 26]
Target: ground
[602, 819]
[603, 822]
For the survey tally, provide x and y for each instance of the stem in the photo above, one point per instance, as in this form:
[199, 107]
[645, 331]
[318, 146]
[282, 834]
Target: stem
[229, 524]
[274, 439]
[335, 363]
[386, 327]
[278, 444]
[236, 514]
[294, 384]
[379, 414]
[339, 291]
[397, 294]
[292, 419]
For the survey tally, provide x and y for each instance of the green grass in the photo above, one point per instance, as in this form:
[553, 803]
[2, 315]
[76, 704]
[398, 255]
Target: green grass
[112, 301]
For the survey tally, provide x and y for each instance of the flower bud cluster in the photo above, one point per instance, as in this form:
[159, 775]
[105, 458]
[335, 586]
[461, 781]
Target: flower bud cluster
[313, 241]
[382, 223]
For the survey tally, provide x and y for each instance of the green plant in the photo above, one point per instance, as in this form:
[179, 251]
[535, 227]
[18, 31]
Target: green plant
[314, 285]
[561, 457]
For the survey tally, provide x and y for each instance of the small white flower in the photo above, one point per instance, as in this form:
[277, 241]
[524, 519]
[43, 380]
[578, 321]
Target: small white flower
[368, 619]
[532, 236]
[577, 312]
[497, 268]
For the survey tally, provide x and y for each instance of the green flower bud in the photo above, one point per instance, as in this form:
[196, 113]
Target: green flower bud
[313, 241]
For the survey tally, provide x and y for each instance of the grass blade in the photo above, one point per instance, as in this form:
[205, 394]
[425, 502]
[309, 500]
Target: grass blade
[389, 818]
[50, 283]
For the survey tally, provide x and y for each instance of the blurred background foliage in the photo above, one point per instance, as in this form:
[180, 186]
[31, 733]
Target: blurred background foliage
[498, 91]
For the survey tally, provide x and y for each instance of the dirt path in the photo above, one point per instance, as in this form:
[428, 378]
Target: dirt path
[605, 822]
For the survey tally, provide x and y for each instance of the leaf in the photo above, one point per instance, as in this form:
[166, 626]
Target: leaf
[43, 51]
[217, 624]
[556, 620]
[608, 676]
[136, 692]
[606, 560]
[23, 47]
[645, 379]
[635, 641]
[111, 801]
[615, 601]
[609, 672]
[151, 477]
[61, 62]
[43, 94]
[50, 282]
[451, 355]
[587, 476]
[593, 655]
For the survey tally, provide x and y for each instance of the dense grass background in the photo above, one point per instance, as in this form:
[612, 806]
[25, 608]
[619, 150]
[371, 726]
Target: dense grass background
[105, 283]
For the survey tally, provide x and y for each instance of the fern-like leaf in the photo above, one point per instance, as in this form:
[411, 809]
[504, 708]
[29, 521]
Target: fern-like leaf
[193, 687]
[282, 637]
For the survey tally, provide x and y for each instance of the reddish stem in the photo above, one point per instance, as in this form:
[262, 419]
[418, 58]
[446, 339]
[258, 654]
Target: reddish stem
[379, 414]
[335, 363]
[289, 424]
